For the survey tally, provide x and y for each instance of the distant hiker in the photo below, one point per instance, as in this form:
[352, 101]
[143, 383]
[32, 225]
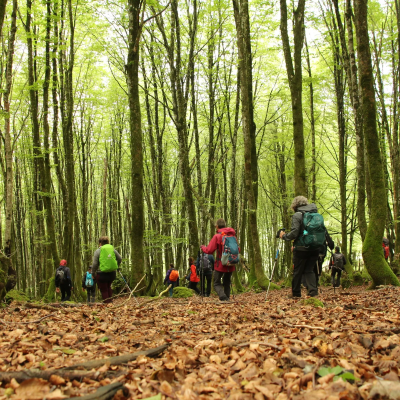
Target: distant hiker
[172, 278]
[308, 233]
[337, 263]
[63, 281]
[193, 277]
[89, 285]
[225, 243]
[386, 250]
[106, 261]
[205, 267]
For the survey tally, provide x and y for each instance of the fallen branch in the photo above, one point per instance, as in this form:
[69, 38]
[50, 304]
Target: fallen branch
[126, 301]
[29, 322]
[273, 346]
[105, 392]
[21, 376]
[117, 360]
[155, 298]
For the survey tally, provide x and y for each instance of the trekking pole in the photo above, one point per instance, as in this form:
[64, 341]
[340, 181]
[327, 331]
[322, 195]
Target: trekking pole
[273, 270]
[126, 285]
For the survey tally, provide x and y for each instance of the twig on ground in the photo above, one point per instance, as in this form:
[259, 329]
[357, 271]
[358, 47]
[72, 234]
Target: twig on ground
[29, 322]
[126, 301]
[105, 392]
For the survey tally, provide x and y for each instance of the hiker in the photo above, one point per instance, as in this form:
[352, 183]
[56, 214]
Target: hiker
[225, 243]
[205, 267]
[172, 278]
[322, 254]
[306, 245]
[385, 246]
[193, 277]
[106, 261]
[337, 263]
[63, 281]
[89, 285]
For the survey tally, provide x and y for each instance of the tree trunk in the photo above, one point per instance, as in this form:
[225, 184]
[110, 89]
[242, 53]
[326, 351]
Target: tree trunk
[136, 143]
[296, 91]
[242, 22]
[372, 247]
[3, 5]
[7, 273]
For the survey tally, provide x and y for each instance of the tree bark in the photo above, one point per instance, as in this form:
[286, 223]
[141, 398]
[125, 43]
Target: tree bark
[372, 247]
[7, 273]
[294, 73]
[3, 5]
[242, 22]
[136, 140]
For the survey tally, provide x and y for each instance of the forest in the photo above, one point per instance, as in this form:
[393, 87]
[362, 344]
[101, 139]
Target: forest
[146, 121]
[142, 126]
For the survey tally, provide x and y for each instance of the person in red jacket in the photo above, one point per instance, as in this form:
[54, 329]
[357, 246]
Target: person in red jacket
[223, 272]
[194, 278]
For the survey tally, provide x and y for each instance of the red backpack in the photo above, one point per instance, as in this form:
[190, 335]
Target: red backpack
[386, 249]
[174, 275]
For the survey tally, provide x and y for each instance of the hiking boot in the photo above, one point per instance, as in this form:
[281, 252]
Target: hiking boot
[291, 296]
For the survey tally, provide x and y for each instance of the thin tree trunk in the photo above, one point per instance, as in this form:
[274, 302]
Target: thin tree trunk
[242, 22]
[294, 73]
[136, 141]
[7, 273]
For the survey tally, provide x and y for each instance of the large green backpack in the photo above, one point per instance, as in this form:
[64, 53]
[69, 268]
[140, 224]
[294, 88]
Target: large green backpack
[313, 235]
[107, 259]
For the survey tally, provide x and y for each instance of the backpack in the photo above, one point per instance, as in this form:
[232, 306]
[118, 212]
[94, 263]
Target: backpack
[230, 250]
[107, 259]
[313, 235]
[204, 264]
[386, 251]
[174, 275]
[60, 276]
[338, 261]
[89, 280]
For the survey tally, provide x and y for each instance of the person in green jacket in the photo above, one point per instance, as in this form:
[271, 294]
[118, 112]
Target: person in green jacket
[106, 261]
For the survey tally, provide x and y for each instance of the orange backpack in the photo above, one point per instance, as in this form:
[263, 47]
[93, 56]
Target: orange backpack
[174, 275]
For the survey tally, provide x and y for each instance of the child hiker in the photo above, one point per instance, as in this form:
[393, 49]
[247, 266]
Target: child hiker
[172, 278]
[89, 285]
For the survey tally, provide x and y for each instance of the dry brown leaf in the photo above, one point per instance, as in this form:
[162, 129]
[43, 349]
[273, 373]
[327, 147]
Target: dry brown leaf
[32, 389]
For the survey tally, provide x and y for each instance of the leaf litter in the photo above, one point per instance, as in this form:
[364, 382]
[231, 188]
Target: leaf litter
[247, 349]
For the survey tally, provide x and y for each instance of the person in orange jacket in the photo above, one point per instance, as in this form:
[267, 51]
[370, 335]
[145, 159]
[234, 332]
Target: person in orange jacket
[193, 277]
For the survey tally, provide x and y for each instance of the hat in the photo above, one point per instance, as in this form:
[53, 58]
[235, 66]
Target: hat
[63, 263]
[89, 267]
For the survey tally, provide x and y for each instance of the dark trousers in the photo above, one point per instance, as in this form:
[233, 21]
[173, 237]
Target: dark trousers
[304, 263]
[193, 285]
[65, 292]
[223, 289]
[171, 289]
[205, 278]
[91, 294]
[336, 273]
[106, 291]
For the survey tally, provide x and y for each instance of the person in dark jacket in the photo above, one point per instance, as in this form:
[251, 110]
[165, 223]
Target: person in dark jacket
[63, 281]
[172, 279]
[205, 272]
[304, 260]
[104, 279]
[221, 271]
[337, 263]
[89, 284]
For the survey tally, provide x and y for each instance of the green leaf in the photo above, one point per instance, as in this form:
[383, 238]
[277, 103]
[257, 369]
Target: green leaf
[68, 351]
[347, 376]
[156, 397]
[324, 371]
[336, 370]
[103, 339]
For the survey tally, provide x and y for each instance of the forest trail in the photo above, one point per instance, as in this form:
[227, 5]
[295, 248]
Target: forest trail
[247, 349]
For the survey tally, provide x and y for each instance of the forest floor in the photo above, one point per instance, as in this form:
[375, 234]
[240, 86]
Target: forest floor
[247, 349]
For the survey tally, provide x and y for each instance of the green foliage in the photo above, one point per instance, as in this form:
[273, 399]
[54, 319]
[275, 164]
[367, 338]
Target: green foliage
[182, 292]
[312, 301]
[325, 279]
[339, 372]
[358, 279]
[345, 280]
[103, 339]
[15, 295]
[50, 295]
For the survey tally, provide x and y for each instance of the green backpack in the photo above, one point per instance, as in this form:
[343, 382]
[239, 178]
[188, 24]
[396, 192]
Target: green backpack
[313, 235]
[107, 259]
